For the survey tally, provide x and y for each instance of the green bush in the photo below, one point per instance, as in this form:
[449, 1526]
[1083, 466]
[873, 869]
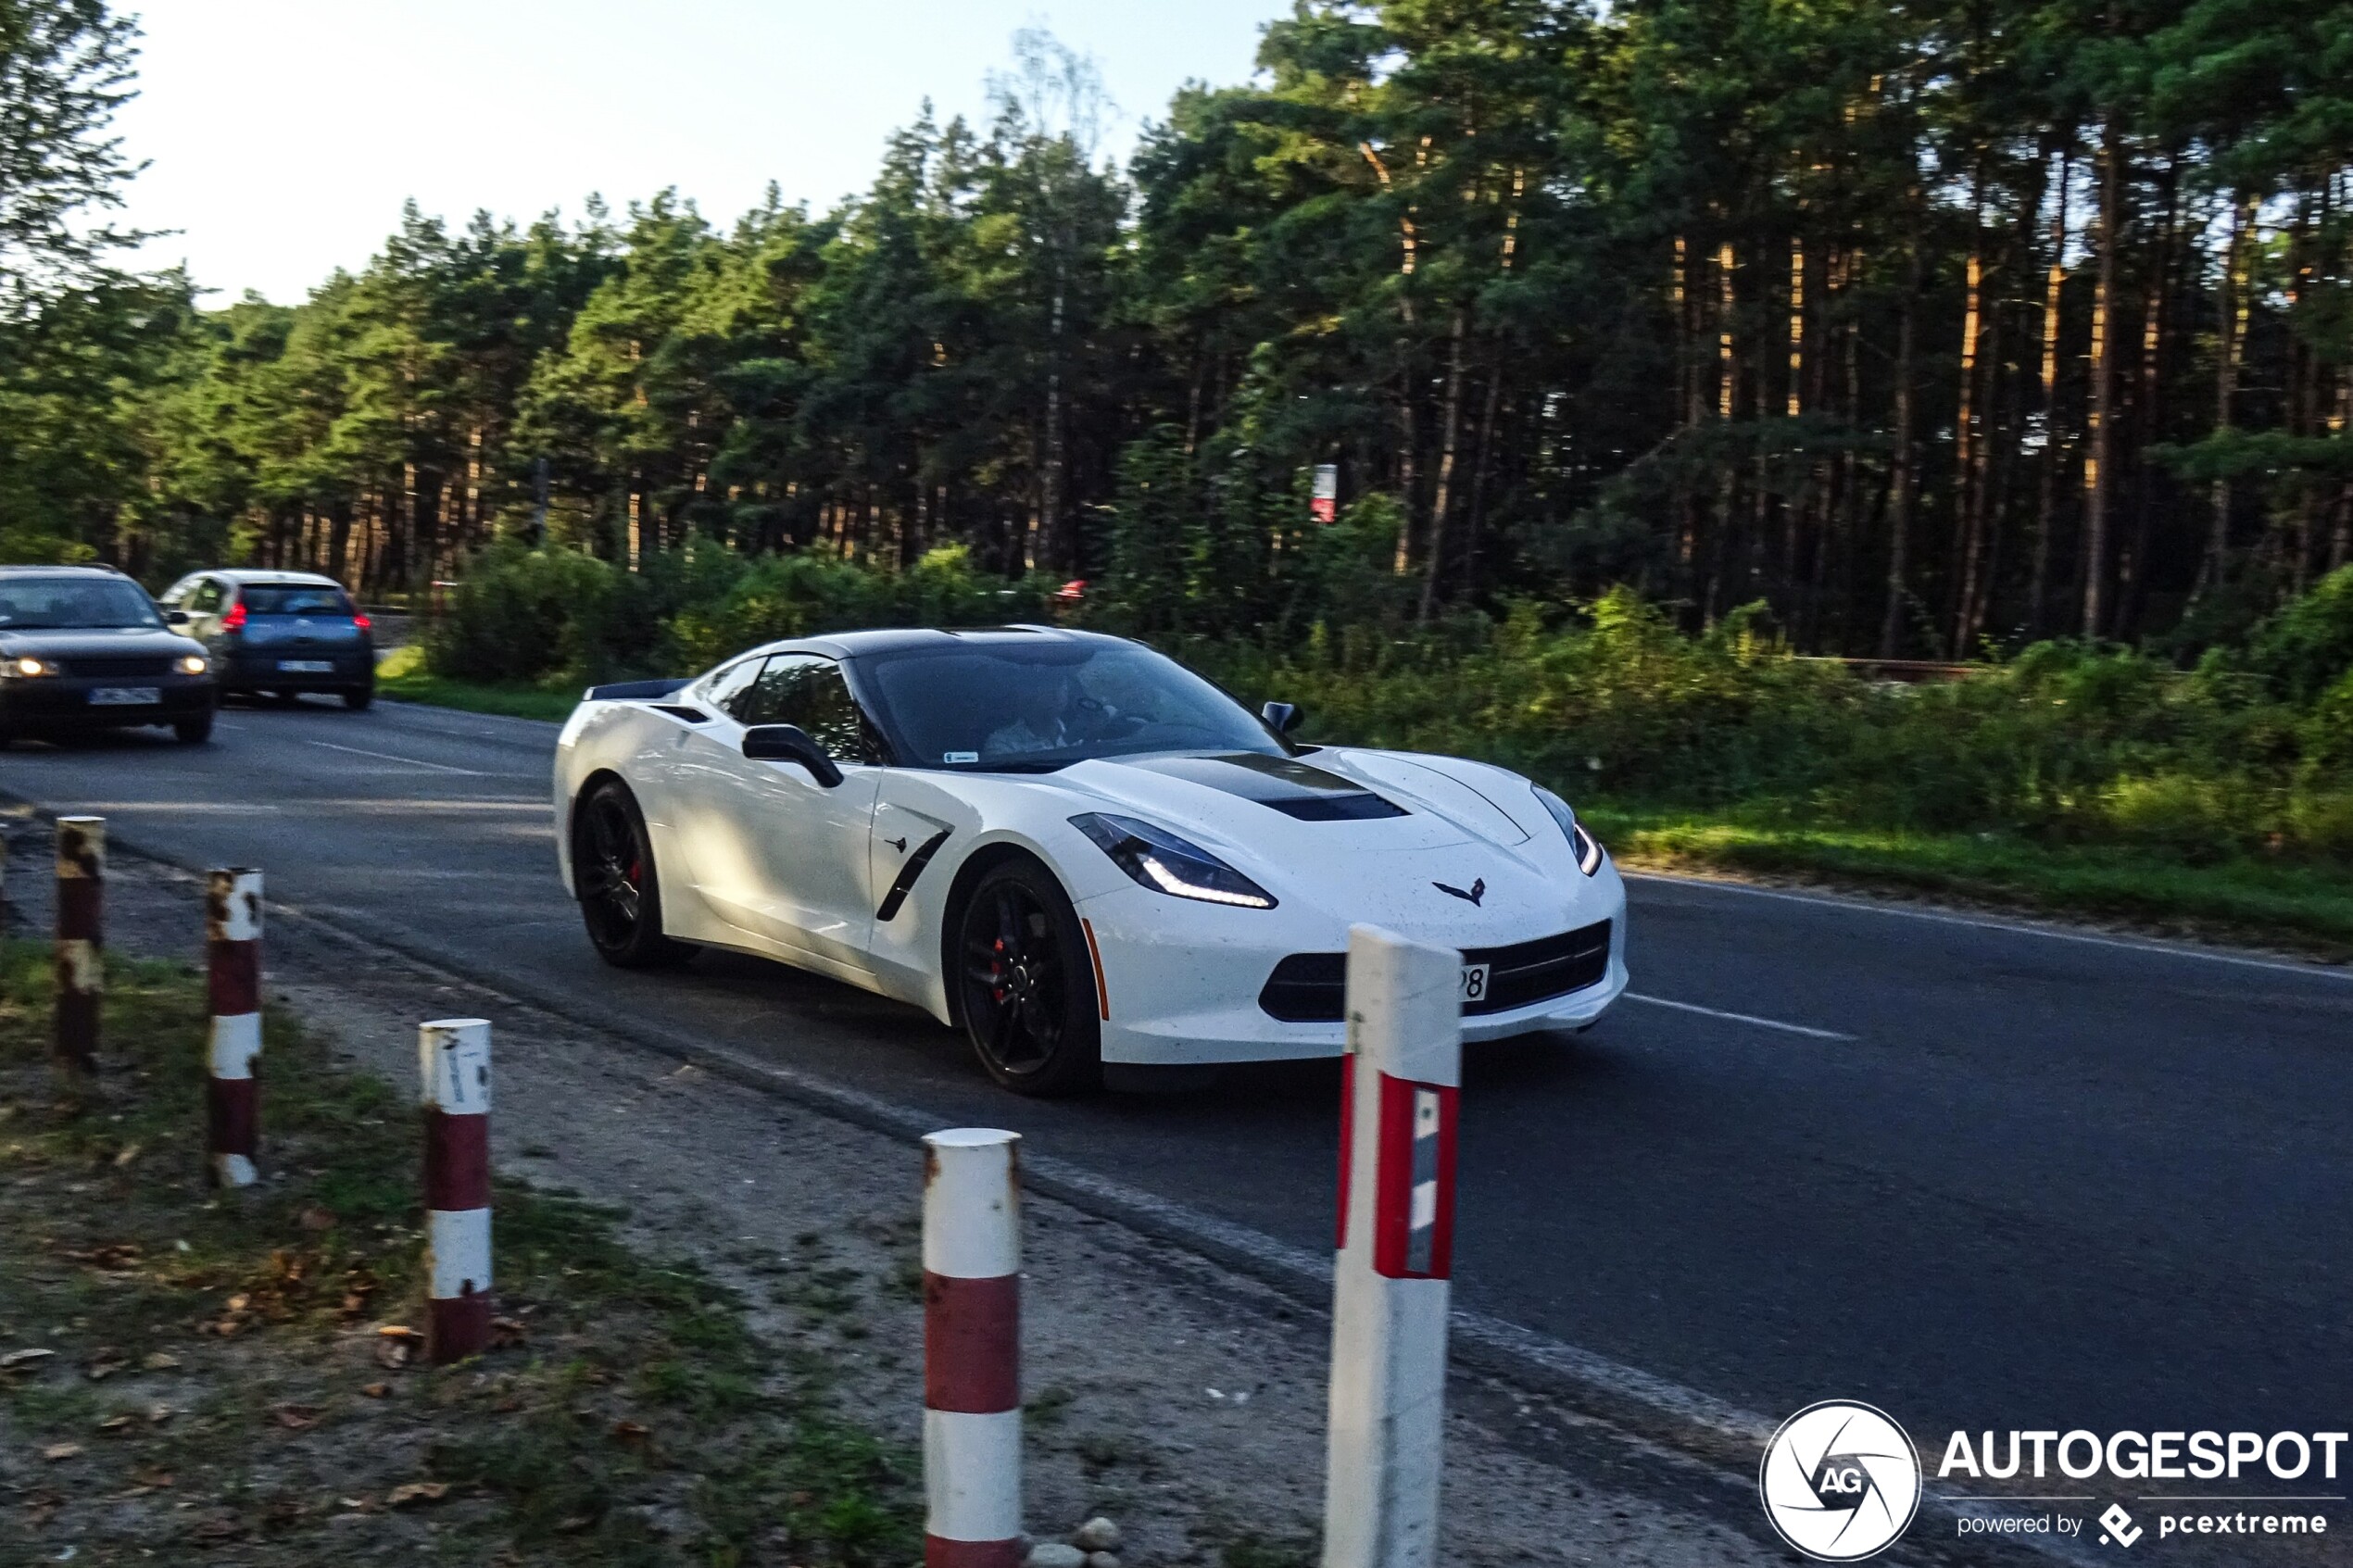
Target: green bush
[550, 616]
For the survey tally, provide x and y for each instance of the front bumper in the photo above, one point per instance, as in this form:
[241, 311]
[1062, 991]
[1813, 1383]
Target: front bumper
[1182, 979]
[62, 702]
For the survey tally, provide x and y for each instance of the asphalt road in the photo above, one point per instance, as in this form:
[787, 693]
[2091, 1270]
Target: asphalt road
[2010, 1179]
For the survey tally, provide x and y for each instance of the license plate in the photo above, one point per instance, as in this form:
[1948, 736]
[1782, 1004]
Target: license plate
[1474, 983]
[306, 666]
[124, 696]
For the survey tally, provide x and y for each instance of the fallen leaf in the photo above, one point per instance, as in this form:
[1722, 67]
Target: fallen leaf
[297, 1418]
[239, 1302]
[161, 1361]
[506, 1331]
[129, 1153]
[117, 1422]
[158, 1414]
[60, 1451]
[358, 1505]
[17, 1358]
[630, 1431]
[377, 1390]
[154, 1477]
[417, 1491]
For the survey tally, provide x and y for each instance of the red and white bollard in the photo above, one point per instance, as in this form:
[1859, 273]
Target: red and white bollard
[233, 959]
[454, 1057]
[81, 978]
[972, 1348]
[1390, 1287]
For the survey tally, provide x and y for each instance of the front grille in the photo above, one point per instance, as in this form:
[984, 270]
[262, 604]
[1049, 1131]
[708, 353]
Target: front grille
[1311, 988]
[117, 664]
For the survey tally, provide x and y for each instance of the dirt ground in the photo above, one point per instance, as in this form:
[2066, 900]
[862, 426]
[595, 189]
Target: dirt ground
[1182, 1400]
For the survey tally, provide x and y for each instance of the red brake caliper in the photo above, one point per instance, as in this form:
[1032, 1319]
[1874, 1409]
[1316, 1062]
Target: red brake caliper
[997, 968]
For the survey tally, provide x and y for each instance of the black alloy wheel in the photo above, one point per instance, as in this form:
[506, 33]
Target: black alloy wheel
[1025, 986]
[193, 732]
[356, 698]
[620, 895]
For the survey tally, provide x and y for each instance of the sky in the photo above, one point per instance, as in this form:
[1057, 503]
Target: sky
[282, 135]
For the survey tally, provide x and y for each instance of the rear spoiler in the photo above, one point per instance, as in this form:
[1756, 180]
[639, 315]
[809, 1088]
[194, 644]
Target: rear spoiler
[638, 691]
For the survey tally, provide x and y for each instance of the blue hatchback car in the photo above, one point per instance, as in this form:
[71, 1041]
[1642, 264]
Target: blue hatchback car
[285, 633]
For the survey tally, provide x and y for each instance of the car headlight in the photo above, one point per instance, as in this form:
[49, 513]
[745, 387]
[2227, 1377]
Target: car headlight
[193, 664]
[27, 667]
[1587, 847]
[1159, 860]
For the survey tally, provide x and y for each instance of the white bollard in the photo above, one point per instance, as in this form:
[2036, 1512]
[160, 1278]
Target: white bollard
[453, 1061]
[972, 1348]
[1390, 1287]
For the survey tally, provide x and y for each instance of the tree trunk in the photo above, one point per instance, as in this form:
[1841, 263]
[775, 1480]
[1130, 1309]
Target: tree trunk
[1442, 502]
[2098, 479]
[2047, 512]
[1900, 465]
[1964, 474]
[2230, 317]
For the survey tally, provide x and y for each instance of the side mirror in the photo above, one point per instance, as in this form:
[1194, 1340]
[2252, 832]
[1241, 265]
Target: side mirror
[175, 618]
[1281, 717]
[790, 743]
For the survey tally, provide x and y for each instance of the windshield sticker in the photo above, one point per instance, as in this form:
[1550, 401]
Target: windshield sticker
[962, 757]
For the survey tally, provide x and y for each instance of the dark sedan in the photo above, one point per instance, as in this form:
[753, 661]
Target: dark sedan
[285, 633]
[84, 648]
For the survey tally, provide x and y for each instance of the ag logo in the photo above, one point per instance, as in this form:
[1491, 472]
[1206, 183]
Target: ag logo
[1840, 1481]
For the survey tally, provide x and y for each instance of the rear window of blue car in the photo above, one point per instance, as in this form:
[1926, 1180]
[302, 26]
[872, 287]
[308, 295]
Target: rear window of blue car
[293, 598]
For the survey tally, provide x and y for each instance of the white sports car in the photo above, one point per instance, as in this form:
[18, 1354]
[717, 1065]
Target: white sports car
[1072, 848]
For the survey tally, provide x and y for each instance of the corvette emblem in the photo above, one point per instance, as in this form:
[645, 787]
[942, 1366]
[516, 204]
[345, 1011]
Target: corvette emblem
[1478, 890]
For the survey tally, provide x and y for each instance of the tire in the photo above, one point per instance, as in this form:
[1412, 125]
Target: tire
[286, 698]
[1024, 987]
[613, 868]
[193, 731]
[356, 698]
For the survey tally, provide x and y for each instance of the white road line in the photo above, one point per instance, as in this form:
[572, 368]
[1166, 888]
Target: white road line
[2314, 971]
[411, 761]
[1740, 1017]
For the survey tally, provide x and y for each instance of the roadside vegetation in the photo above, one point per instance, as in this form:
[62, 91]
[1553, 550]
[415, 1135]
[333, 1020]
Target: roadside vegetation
[183, 1370]
[2213, 794]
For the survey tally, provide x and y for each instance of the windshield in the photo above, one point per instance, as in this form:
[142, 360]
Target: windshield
[1006, 705]
[294, 598]
[43, 604]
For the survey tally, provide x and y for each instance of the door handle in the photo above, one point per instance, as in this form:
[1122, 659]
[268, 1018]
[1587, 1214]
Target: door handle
[898, 844]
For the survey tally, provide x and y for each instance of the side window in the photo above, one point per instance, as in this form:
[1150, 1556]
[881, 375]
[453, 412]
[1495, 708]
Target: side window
[808, 690]
[177, 592]
[206, 597]
[728, 690]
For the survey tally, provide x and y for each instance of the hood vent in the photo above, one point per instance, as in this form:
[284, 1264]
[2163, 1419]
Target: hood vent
[1294, 788]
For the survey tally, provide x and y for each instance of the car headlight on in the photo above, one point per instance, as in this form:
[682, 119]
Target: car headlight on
[27, 667]
[1587, 847]
[1159, 860]
[193, 664]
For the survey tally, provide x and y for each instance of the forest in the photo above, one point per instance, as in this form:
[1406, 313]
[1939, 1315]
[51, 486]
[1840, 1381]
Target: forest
[1936, 327]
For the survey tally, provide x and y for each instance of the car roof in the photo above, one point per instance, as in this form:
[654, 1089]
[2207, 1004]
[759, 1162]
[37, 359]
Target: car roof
[859, 644]
[242, 577]
[96, 574]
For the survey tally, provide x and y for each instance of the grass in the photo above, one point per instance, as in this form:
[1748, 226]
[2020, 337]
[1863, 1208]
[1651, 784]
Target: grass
[2285, 904]
[403, 676]
[210, 1369]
